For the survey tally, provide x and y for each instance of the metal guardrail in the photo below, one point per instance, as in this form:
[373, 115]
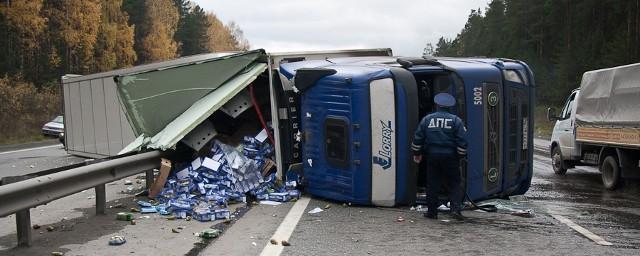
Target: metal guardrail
[20, 196]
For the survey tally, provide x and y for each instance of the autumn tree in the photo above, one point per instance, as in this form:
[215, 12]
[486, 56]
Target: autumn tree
[23, 27]
[219, 37]
[161, 22]
[238, 36]
[114, 47]
[74, 26]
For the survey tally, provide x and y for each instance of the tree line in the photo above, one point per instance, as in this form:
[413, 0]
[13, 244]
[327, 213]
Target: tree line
[559, 39]
[42, 40]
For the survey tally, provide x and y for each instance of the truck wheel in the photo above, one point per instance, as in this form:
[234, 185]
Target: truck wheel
[610, 173]
[557, 162]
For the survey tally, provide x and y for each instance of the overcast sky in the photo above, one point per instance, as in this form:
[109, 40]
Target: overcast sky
[291, 25]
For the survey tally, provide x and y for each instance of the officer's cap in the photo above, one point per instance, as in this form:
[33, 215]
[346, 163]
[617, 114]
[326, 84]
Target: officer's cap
[444, 99]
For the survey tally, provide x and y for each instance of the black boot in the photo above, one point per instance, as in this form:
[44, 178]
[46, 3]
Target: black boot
[430, 215]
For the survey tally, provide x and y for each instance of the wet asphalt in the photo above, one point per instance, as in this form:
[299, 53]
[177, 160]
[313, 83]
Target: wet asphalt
[352, 230]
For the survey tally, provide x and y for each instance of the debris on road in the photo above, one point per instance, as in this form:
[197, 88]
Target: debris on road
[57, 254]
[133, 222]
[285, 243]
[327, 206]
[128, 182]
[254, 244]
[517, 206]
[117, 240]
[124, 216]
[523, 213]
[400, 219]
[267, 202]
[274, 242]
[36, 226]
[444, 208]
[117, 206]
[161, 180]
[51, 228]
[210, 233]
[204, 187]
[173, 230]
[316, 210]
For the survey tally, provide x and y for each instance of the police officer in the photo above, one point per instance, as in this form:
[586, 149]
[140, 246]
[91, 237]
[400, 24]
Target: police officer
[440, 138]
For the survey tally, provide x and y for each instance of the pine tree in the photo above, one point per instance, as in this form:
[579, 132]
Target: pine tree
[193, 33]
[559, 39]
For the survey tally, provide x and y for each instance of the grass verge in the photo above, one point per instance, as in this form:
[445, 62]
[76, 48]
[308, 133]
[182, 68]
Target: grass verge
[23, 139]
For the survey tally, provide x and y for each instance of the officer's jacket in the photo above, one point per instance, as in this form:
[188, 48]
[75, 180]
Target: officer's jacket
[440, 133]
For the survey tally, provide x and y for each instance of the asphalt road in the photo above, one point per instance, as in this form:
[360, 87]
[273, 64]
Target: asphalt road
[349, 230]
[23, 160]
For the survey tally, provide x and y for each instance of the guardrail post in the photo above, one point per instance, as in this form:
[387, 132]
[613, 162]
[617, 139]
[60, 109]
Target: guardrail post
[101, 199]
[23, 227]
[149, 178]
[23, 217]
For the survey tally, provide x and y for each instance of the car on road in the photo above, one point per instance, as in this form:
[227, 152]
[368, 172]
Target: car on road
[54, 128]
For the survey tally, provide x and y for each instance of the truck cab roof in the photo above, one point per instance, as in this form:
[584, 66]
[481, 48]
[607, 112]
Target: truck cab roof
[352, 66]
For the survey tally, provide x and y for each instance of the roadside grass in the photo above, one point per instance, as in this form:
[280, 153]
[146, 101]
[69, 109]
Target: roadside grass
[543, 127]
[23, 139]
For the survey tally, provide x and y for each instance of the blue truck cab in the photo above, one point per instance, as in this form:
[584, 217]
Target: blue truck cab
[358, 115]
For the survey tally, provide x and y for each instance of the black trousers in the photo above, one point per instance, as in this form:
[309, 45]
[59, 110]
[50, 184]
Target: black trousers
[443, 169]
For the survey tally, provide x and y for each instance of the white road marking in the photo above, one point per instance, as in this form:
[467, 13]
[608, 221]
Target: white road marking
[286, 228]
[581, 230]
[29, 149]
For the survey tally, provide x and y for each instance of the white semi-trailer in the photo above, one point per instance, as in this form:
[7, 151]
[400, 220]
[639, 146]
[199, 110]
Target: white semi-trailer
[600, 125]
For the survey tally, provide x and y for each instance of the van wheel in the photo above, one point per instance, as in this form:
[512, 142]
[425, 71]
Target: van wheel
[610, 173]
[557, 162]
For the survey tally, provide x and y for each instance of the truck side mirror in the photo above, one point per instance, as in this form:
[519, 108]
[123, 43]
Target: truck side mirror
[551, 114]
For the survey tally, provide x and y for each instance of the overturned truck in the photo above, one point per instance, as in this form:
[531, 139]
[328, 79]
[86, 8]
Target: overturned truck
[340, 119]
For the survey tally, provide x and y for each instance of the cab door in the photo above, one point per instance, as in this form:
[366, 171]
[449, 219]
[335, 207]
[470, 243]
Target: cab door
[564, 129]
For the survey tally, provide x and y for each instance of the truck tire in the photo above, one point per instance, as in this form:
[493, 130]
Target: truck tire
[559, 166]
[610, 173]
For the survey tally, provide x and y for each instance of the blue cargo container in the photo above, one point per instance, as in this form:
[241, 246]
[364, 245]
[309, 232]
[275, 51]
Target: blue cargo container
[358, 116]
